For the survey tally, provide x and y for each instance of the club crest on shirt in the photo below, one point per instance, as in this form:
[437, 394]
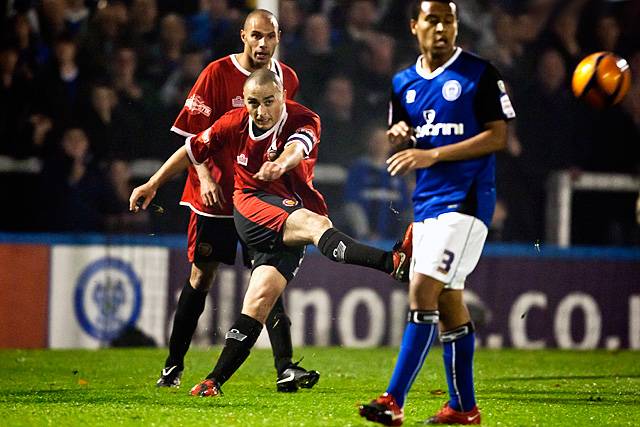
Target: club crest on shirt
[451, 90]
[237, 102]
[195, 105]
[289, 202]
[242, 159]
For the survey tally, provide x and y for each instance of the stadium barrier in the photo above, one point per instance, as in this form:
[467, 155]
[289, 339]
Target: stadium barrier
[561, 186]
[83, 291]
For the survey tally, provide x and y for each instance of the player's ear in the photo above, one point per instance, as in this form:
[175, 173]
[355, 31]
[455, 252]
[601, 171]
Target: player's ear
[243, 35]
[412, 26]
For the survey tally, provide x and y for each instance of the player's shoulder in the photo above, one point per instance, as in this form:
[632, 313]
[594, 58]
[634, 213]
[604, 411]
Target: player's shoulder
[474, 60]
[295, 109]
[233, 117]
[404, 76]
[408, 72]
[287, 69]
[219, 65]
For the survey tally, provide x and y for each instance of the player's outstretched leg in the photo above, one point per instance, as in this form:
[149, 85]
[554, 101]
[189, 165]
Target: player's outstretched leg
[402, 253]
[339, 247]
[190, 306]
[291, 376]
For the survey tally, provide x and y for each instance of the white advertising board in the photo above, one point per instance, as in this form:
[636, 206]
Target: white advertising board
[96, 292]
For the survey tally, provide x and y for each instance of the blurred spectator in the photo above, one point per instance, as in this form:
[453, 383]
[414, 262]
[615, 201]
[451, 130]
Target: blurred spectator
[32, 51]
[76, 17]
[377, 65]
[167, 55]
[76, 196]
[548, 132]
[607, 33]
[61, 90]
[98, 121]
[341, 133]
[144, 35]
[137, 106]
[314, 60]
[100, 42]
[291, 22]
[215, 28]
[377, 205]
[52, 19]
[563, 33]
[123, 73]
[16, 128]
[362, 16]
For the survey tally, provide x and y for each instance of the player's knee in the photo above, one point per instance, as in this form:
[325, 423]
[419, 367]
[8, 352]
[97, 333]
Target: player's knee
[319, 223]
[202, 275]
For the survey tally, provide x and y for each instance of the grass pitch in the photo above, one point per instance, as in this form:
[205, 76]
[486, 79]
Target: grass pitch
[116, 387]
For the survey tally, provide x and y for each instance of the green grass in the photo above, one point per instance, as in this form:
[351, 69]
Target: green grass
[116, 387]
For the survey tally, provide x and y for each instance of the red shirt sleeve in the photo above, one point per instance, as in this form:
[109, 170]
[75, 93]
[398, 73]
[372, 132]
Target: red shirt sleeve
[196, 114]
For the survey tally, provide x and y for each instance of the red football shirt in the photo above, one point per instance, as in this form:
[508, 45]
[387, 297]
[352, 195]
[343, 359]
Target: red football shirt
[218, 90]
[234, 132]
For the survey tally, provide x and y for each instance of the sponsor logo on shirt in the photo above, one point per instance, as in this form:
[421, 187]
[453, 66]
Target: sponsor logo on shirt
[507, 108]
[237, 102]
[435, 129]
[195, 105]
[242, 159]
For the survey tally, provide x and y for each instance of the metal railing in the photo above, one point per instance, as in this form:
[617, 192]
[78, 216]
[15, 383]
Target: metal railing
[560, 188]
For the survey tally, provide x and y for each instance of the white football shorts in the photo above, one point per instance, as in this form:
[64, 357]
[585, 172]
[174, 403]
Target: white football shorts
[447, 248]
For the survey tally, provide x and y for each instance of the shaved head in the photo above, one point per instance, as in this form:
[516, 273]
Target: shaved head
[261, 14]
[263, 77]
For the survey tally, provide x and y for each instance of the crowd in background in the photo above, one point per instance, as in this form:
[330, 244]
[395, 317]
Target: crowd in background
[88, 87]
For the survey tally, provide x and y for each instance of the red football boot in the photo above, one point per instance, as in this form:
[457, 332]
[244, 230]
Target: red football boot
[206, 388]
[383, 410]
[447, 415]
[402, 252]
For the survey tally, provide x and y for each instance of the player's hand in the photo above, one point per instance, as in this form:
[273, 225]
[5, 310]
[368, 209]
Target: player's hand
[211, 193]
[141, 197]
[269, 171]
[411, 159]
[399, 135]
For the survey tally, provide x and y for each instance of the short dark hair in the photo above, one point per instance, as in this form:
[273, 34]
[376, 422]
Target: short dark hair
[417, 6]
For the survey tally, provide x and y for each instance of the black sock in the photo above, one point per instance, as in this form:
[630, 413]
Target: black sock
[339, 247]
[279, 329]
[239, 340]
[190, 307]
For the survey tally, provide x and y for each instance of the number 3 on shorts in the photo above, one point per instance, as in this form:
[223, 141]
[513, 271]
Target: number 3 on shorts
[447, 259]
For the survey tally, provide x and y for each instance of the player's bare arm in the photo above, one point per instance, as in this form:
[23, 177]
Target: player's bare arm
[289, 159]
[178, 162]
[492, 139]
[210, 190]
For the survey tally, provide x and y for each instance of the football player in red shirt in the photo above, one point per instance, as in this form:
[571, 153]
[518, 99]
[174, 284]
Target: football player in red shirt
[208, 192]
[276, 209]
